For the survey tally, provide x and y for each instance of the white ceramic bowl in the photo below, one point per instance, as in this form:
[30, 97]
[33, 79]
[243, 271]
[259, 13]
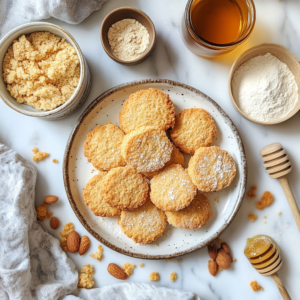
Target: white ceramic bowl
[81, 92]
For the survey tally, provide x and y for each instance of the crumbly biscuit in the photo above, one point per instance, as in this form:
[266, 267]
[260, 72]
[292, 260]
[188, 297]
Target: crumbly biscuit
[145, 224]
[194, 216]
[124, 188]
[146, 149]
[94, 198]
[102, 147]
[147, 108]
[211, 169]
[194, 128]
[172, 189]
[176, 158]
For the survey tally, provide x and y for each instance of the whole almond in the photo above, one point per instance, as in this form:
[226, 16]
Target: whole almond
[54, 223]
[50, 199]
[223, 259]
[73, 241]
[85, 244]
[212, 251]
[116, 271]
[212, 267]
[226, 247]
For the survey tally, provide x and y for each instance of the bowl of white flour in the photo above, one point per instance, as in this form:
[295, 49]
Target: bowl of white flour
[264, 84]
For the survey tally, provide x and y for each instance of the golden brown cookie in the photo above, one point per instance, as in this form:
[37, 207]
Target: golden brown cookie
[194, 128]
[172, 189]
[176, 158]
[146, 149]
[194, 216]
[102, 147]
[211, 169]
[145, 224]
[94, 198]
[124, 188]
[147, 108]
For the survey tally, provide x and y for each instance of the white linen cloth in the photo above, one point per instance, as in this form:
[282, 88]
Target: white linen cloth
[32, 263]
[17, 12]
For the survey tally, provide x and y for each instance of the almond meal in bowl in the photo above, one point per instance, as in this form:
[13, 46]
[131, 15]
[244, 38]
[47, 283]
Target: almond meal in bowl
[44, 73]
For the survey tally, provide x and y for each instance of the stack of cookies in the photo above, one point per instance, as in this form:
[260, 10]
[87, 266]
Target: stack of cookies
[140, 153]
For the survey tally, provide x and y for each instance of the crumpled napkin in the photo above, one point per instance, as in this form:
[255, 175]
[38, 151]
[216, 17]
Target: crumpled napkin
[16, 12]
[32, 263]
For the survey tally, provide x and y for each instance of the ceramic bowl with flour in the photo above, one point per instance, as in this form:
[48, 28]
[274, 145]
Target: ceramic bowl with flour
[264, 84]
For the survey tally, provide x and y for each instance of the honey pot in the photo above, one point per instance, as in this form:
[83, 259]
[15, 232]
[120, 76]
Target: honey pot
[214, 27]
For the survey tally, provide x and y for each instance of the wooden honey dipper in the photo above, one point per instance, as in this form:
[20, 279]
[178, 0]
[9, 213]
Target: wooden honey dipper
[264, 255]
[278, 165]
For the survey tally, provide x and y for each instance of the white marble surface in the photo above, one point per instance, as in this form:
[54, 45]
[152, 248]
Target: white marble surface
[277, 22]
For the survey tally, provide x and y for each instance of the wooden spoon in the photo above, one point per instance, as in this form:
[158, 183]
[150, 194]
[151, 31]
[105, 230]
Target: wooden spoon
[264, 255]
[278, 165]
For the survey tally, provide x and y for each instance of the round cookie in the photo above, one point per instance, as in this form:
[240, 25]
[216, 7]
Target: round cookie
[211, 169]
[147, 108]
[145, 224]
[146, 149]
[176, 158]
[194, 128]
[172, 189]
[194, 216]
[102, 147]
[124, 188]
[94, 198]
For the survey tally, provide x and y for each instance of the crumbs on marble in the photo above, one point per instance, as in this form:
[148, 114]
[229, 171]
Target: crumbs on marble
[157, 244]
[169, 259]
[255, 286]
[55, 161]
[128, 268]
[154, 276]
[265, 222]
[266, 200]
[265, 217]
[38, 155]
[173, 276]
[85, 278]
[142, 265]
[251, 193]
[216, 200]
[67, 228]
[98, 255]
[279, 213]
[42, 213]
[252, 217]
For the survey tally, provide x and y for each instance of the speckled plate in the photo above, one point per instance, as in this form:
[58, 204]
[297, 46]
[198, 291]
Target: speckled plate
[77, 171]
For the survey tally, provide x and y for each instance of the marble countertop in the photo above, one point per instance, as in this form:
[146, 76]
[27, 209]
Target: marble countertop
[277, 22]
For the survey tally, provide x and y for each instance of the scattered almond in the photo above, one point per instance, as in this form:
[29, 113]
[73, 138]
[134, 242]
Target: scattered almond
[223, 259]
[50, 199]
[212, 267]
[212, 251]
[85, 244]
[226, 248]
[117, 272]
[54, 223]
[73, 241]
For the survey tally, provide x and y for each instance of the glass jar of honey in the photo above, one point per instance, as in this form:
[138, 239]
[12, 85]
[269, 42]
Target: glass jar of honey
[211, 28]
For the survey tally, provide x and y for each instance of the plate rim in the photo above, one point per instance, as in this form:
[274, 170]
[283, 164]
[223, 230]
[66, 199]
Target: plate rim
[72, 136]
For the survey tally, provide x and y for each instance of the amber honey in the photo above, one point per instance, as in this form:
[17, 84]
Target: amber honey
[219, 21]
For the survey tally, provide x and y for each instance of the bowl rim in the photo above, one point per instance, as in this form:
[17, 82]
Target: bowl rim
[233, 69]
[69, 146]
[40, 114]
[150, 46]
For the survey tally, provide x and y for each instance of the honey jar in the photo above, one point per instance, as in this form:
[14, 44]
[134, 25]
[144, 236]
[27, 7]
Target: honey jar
[211, 28]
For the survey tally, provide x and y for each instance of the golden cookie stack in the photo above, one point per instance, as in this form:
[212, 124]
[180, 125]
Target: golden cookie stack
[139, 150]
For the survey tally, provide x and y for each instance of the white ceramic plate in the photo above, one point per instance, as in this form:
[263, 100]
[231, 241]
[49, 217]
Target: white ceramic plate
[174, 242]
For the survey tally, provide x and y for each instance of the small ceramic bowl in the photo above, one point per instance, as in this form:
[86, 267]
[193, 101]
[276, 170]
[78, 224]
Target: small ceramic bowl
[81, 92]
[282, 54]
[127, 13]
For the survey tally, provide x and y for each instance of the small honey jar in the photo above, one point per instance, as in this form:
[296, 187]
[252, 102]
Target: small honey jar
[214, 27]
